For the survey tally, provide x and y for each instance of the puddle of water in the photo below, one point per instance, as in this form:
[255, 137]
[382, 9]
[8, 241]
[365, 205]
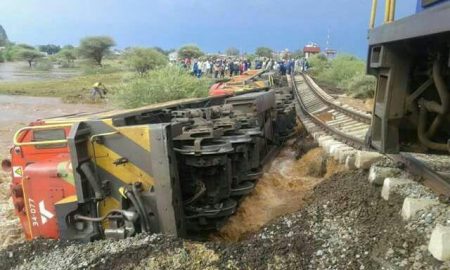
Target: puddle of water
[280, 191]
[5, 99]
[19, 71]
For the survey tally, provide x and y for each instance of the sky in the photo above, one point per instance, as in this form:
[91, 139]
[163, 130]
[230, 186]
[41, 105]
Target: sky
[214, 25]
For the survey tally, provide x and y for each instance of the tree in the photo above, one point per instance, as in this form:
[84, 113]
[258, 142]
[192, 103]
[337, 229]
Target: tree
[9, 52]
[29, 55]
[145, 59]
[68, 46]
[95, 48]
[189, 51]
[264, 52]
[3, 37]
[232, 51]
[160, 50]
[50, 49]
[24, 46]
[69, 54]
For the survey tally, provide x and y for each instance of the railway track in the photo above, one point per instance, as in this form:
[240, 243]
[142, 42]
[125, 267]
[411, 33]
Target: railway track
[319, 112]
[349, 124]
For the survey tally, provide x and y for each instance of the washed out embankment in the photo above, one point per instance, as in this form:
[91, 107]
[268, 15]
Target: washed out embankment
[281, 190]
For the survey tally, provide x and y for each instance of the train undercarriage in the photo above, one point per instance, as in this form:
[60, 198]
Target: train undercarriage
[411, 61]
[179, 168]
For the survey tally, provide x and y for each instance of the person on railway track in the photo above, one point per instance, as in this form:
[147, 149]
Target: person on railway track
[292, 66]
[236, 68]
[287, 66]
[282, 67]
[196, 69]
[231, 68]
[305, 65]
[216, 70]
[298, 65]
[207, 67]
[222, 69]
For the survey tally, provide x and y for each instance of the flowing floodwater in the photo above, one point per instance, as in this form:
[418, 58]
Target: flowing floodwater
[281, 190]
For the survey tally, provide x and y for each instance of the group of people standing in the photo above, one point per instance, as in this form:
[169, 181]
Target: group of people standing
[218, 68]
[221, 67]
[284, 66]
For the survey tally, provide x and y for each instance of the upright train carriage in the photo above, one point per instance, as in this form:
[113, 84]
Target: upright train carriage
[410, 58]
[179, 168]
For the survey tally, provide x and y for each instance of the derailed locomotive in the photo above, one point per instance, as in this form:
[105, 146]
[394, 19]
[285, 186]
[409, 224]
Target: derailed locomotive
[179, 168]
[411, 61]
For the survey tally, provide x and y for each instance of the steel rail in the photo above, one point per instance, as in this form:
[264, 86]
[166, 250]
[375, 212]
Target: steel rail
[347, 139]
[432, 179]
[364, 118]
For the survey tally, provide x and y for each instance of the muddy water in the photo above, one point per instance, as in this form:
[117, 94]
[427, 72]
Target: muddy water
[20, 71]
[281, 190]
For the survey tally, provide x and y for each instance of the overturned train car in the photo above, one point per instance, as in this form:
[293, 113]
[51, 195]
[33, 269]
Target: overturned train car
[179, 168]
[411, 60]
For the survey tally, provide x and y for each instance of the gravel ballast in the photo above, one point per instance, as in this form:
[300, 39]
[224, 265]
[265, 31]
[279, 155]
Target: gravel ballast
[344, 225]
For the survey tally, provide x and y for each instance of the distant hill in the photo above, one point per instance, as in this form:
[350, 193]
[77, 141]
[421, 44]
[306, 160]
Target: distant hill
[3, 37]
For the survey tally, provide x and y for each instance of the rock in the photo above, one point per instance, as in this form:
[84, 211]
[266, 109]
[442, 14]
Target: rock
[411, 206]
[365, 159]
[439, 245]
[378, 174]
[342, 153]
[335, 148]
[317, 135]
[389, 183]
[322, 139]
[350, 162]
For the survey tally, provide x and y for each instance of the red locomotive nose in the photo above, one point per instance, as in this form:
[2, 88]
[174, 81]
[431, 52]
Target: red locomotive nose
[6, 165]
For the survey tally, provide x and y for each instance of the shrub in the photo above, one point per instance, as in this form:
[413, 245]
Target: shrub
[342, 70]
[165, 84]
[345, 72]
[189, 51]
[318, 63]
[44, 65]
[145, 59]
[362, 86]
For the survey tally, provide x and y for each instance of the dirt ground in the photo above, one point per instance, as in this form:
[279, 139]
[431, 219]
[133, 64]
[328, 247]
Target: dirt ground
[305, 213]
[363, 105]
[17, 112]
[343, 224]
